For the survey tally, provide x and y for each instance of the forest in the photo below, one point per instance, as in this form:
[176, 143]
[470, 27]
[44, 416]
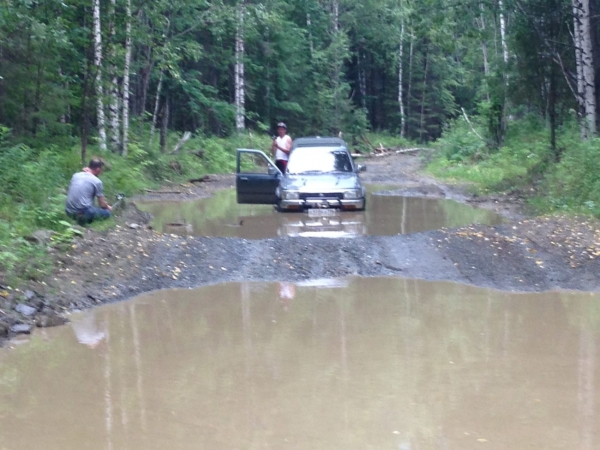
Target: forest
[505, 91]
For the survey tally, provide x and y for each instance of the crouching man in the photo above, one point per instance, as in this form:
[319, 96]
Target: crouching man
[84, 187]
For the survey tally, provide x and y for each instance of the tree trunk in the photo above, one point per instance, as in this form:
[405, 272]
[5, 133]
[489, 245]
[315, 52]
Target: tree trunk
[503, 32]
[486, 65]
[400, 80]
[552, 112]
[310, 36]
[362, 79]
[579, 63]
[584, 54]
[126, 71]
[85, 115]
[113, 107]
[335, 8]
[423, 95]
[156, 107]
[164, 127]
[146, 71]
[336, 15]
[410, 73]
[240, 95]
[504, 107]
[98, 66]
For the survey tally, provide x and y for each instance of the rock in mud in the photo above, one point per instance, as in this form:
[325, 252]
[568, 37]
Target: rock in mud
[40, 237]
[4, 330]
[28, 294]
[21, 328]
[26, 310]
[50, 320]
[132, 214]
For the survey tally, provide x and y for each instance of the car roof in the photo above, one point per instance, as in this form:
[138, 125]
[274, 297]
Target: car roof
[318, 141]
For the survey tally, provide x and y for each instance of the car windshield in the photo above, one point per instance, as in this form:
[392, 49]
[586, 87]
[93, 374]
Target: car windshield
[319, 160]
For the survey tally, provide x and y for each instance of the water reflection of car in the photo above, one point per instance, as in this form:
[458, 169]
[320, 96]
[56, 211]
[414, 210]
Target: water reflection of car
[319, 225]
[320, 174]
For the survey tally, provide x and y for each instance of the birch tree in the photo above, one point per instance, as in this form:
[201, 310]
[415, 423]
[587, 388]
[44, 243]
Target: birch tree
[98, 67]
[502, 18]
[113, 105]
[126, 72]
[240, 95]
[400, 74]
[156, 106]
[585, 66]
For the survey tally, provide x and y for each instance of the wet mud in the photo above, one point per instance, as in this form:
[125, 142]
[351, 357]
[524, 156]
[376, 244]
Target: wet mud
[347, 363]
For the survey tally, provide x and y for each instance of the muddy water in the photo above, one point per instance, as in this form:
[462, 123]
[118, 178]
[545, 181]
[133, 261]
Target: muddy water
[344, 364]
[385, 216]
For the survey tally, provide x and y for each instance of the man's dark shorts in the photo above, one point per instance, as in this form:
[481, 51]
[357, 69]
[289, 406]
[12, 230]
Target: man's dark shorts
[281, 164]
[88, 215]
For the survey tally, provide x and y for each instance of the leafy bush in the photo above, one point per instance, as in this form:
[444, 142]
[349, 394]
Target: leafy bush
[35, 182]
[459, 143]
[526, 159]
[387, 140]
[574, 183]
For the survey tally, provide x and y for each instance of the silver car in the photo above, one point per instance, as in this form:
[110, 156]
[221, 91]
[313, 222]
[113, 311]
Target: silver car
[320, 174]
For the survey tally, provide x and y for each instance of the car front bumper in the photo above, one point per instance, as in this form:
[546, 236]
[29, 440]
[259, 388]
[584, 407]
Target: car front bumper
[316, 202]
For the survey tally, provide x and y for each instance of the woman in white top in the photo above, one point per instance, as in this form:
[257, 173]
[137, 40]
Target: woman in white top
[282, 145]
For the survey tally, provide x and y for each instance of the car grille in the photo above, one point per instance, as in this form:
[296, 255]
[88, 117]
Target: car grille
[324, 195]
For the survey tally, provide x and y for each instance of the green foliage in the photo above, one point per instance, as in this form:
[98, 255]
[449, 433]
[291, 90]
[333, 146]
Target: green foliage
[388, 140]
[459, 143]
[35, 183]
[462, 156]
[574, 183]
[525, 161]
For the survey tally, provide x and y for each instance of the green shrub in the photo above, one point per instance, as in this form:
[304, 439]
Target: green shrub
[574, 183]
[459, 143]
[35, 181]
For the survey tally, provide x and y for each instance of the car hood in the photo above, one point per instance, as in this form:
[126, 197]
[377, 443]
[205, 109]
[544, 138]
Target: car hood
[323, 182]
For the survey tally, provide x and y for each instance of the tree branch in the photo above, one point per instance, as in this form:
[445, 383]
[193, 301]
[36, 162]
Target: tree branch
[471, 125]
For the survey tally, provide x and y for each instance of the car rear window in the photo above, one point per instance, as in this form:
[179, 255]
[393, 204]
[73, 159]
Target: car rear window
[319, 159]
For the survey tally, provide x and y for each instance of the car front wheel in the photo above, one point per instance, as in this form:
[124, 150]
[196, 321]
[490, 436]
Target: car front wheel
[364, 205]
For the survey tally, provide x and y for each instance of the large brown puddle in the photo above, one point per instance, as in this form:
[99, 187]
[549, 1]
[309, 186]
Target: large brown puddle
[345, 364]
[386, 215]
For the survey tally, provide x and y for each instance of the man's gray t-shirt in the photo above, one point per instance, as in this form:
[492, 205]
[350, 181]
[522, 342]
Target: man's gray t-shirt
[82, 190]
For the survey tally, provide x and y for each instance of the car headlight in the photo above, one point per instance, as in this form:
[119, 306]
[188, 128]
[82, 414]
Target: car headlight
[352, 194]
[290, 195]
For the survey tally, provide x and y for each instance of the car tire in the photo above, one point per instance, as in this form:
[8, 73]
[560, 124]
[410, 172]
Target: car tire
[278, 207]
[364, 205]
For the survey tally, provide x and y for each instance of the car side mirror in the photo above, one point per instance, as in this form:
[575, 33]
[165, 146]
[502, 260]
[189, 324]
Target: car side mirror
[361, 168]
[273, 170]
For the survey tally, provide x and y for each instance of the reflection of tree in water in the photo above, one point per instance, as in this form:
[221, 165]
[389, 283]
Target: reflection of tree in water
[585, 316]
[253, 163]
[87, 330]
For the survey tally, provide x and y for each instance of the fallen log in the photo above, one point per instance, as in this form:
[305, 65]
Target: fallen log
[152, 191]
[203, 179]
[410, 150]
[186, 136]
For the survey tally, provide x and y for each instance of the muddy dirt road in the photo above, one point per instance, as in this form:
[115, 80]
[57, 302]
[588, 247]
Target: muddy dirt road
[522, 254]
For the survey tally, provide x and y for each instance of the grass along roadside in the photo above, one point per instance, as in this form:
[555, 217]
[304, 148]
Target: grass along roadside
[34, 189]
[525, 164]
